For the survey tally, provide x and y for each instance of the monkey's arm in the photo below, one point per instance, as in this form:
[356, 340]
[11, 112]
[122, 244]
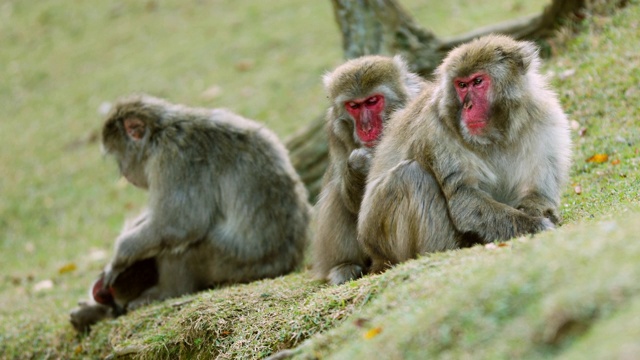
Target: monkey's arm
[179, 215]
[543, 197]
[473, 210]
[131, 224]
[354, 177]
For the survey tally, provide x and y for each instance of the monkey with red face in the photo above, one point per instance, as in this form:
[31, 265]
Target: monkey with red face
[363, 93]
[481, 157]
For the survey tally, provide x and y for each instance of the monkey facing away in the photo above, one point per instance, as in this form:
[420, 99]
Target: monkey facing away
[225, 204]
[480, 157]
[363, 92]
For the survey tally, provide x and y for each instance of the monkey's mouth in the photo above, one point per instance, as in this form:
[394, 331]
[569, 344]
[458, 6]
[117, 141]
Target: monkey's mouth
[476, 127]
[474, 116]
[369, 130]
[476, 124]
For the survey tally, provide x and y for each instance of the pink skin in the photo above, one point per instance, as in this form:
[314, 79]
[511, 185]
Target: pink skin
[472, 92]
[100, 294]
[367, 113]
[134, 128]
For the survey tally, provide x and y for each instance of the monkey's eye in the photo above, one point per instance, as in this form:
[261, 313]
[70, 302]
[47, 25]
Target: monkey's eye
[372, 100]
[477, 81]
[353, 105]
[462, 85]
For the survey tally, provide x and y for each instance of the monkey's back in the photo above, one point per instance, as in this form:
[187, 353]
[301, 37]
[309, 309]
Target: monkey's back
[257, 201]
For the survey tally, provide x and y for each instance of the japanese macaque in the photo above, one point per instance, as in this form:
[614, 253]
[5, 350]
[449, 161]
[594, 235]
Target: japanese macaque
[225, 204]
[480, 157]
[363, 93]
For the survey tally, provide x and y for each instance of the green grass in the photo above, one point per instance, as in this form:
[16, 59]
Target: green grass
[559, 294]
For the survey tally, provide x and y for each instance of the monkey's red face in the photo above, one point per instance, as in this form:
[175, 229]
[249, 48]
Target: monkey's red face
[473, 95]
[367, 114]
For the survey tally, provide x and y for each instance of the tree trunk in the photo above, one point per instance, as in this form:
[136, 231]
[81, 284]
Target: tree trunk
[384, 27]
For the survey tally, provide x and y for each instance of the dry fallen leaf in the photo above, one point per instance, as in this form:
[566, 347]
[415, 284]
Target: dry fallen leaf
[244, 65]
[574, 125]
[598, 158]
[493, 246]
[67, 268]
[372, 333]
[577, 189]
[212, 92]
[104, 108]
[43, 285]
[566, 74]
[96, 255]
[360, 322]
[615, 162]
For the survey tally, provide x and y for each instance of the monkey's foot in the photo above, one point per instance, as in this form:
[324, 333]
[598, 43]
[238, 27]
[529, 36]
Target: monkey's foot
[547, 224]
[344, 272]
[87, 314]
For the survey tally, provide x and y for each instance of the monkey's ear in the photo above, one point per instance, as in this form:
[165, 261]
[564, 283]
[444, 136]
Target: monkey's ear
[528, 52]
[134, 127]
[522, 56]
[326, 80]
[401, 63]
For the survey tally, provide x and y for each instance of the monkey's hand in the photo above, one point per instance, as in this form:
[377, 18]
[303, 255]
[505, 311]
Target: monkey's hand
[360, 160]
[552, 215]
[547, 224]
[353, 180]
[537, 211]
[130, 247]
[538, 206]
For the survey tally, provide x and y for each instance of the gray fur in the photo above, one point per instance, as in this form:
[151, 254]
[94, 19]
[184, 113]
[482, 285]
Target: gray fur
[433, 186]
[225, 203]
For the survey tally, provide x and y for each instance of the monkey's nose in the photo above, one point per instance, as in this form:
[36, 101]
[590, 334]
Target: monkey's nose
[467, 105]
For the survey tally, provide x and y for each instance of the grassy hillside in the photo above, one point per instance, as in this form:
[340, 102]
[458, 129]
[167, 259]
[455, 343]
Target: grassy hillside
[562, 294]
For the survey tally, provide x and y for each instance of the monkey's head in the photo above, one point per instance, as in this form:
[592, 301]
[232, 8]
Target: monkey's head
[363, 92]
[484, 84]
[127, 134]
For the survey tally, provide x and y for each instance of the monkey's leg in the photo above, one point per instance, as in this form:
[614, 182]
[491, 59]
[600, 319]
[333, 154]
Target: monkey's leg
[405, 214]
[338, 256]
[175, 278]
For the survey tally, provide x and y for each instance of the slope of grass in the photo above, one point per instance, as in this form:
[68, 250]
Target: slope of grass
[558, 294]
